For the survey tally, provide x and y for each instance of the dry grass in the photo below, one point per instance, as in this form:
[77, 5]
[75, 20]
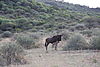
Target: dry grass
[38, 58]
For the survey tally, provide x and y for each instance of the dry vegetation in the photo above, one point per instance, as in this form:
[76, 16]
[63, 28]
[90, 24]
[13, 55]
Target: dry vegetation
[74, 50]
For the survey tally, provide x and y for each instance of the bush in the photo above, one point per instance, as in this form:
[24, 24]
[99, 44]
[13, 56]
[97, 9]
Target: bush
[96, 32]
[91, 22]
[66, 35]
[25, 41]
[21, 20]
[1, 31]
[95, 42]
[76, 42]
[80, 26]
[3, 61]
[87, 32]
[10, 52]
[23, 23]
[6, 34]
[7, 26]
[10, 0]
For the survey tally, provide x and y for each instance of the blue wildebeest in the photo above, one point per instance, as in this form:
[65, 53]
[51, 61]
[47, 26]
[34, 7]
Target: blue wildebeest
[53, 40]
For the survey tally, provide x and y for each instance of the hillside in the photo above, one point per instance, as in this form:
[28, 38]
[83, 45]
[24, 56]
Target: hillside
[70, 6]
[21, 15]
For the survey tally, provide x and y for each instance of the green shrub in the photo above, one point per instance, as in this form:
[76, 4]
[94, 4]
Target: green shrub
[21, 20]
[6, 34]
[94, 60]
[91, 22]
[24, 24]
[80, 26]
[1, 31]
[40, 7]
[87, 32]
[33, 30]
[25, 41]
[96, 32]
[5, 20]
[10, 52]
[7, 26]
[95, 42]
[10, 0]
[18, 30]
[76, 42]
[37, 23]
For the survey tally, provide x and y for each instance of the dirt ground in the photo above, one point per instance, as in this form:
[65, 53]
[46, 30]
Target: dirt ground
[39, 58]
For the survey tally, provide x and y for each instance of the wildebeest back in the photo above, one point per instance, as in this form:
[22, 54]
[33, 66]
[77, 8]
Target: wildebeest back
[54, 39]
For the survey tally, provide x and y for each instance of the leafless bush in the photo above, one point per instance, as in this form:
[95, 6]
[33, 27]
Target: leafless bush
[11, 52]
[76, 42]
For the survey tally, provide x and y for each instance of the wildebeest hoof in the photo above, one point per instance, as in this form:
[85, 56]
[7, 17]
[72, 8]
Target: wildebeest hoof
[46, 51]
[40, 55]
[56, 49]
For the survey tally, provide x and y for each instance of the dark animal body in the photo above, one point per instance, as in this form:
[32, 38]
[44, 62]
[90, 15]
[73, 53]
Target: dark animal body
[53, 40]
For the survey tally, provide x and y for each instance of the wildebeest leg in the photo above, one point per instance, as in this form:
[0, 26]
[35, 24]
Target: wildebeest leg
[53, 45]
[56, 43]
[46, 45]
[56, 47]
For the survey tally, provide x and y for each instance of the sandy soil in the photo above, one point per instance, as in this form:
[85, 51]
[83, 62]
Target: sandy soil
[39, 58]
